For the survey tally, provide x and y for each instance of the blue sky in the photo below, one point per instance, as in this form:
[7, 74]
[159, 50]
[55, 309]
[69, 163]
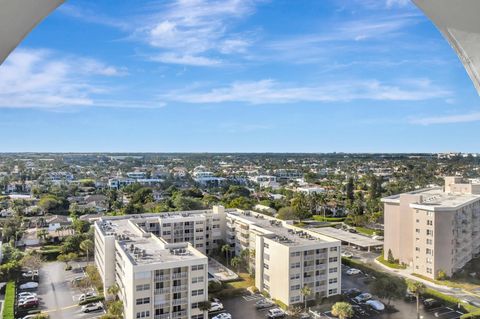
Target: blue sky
[237, 76]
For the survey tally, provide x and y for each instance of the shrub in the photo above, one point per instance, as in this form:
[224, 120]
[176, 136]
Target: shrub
[8, 307]
[390, 258]
[441, 275]
[90, 300]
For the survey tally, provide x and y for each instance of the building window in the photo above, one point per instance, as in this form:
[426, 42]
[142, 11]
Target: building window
[143, 301]
[333, 248]
[294, 276]
[332, 270]
[197, 267]
[197, 279]
[429, 241]
[143, 314]
[265, 245]
[430, 222]
[143, 287]
[198, 292]
[332, 291]
[295, 287]
[333, 259]
[332, 280]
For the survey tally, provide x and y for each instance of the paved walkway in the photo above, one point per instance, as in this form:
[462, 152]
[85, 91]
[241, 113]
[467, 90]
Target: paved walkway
[455, 292]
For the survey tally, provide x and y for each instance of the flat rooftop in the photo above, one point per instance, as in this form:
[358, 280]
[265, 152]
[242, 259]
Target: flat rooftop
[145, 248]
[345, 236]
[436, 197]
[277, 231]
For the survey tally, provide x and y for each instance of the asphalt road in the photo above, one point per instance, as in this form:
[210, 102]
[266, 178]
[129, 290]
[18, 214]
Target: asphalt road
[58, 298]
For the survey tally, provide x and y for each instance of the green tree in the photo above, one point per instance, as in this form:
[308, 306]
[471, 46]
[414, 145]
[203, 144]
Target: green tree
[113, 290]
[87, 246]
[390, 257]
[417, 288]
[349, 190]
[226, 250]
[286, 213]
[306, 291]
[343, 310]
[236, 262]
[204, 305]
[388, 288]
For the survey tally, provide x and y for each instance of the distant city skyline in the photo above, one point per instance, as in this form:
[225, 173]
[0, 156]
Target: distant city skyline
[237, 76]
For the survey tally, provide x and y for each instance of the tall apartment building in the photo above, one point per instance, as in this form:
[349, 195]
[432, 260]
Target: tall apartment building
[160, 246]
[157, 279]
[281, 251]
[435, 229]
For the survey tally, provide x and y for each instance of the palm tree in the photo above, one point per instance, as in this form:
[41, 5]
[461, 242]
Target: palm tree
[306, 291]
[226, 249]
[417, 288]
[87, 246]
[342, 310]
[42, 234]
[235, 262]
[204, 305]
[113, 290]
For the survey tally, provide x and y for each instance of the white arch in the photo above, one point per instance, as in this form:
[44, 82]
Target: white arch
[18, 18]
[459, 22]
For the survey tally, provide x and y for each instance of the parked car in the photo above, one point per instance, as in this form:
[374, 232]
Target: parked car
[375, 304]
[275, 313]
[92, 307]
[76, 280]
[353, 271]
[85, 296]
[26, 294]
[30, 273]
[363, 297]
[431, 303]
[29, 285]
[264, 303]
[224, 315]
[347, 254]
[28, 304]
[216, 306]
[352, 292]
[27, 298]
[44, 315]
[352, 230]
[377, 237]
[213, 299]
[359, 310]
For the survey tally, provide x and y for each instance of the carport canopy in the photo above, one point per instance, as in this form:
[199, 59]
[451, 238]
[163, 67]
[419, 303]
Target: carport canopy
[349, 238]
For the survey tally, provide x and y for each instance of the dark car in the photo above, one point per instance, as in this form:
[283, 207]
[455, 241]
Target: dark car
[431, 304]
[29, 304]
[352, 292]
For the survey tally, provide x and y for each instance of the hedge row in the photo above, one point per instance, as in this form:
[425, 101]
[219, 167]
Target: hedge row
[92, 299]
[9, 304]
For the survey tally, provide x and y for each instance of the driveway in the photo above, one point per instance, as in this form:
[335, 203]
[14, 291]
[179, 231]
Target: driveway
[243, 307]
[58, 298]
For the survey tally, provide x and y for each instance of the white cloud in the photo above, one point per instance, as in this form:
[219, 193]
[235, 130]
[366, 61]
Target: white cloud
[448, 119]
[190, 31]
[42, 79]
[272, 92]
[399, 3]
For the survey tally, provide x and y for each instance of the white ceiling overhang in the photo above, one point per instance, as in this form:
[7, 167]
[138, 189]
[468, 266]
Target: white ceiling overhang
[18, 18]
[459, 22]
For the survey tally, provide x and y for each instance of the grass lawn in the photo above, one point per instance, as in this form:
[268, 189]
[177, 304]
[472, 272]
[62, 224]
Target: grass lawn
[244, 282]
[8, 307]
[451, 283]
[365, 231]
[386, 263]
[320, 218]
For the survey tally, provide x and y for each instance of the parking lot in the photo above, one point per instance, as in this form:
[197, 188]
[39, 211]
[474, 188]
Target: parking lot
[405, 309]
[243, 307]
[58, 296]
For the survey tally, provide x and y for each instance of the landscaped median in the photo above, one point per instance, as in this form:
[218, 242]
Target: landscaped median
[472, 312]
[382, 260]
[8, 306]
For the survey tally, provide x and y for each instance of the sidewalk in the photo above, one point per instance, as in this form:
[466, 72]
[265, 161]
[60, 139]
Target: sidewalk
[407, 273]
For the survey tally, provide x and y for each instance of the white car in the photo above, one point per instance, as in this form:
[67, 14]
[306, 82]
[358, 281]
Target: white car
[33, 316]
[29, 285]
[275, 313]
[264, 303]
[27, 298]
[216, 306]
[346, 254]
[85, 296]
[377, 237]
[26, 294]
[224, 315]
[363, 297]
[92, 307]
[30, 273]
[353, 271]
[375, 304]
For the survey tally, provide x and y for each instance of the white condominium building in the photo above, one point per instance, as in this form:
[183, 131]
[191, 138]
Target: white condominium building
[156, 279]
[435, 229]
[279, 251]
[165, 253]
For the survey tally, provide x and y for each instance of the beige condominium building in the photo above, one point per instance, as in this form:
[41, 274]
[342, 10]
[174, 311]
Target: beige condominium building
[435, 229]
[159, 260]
[157, 279]
[285, 258]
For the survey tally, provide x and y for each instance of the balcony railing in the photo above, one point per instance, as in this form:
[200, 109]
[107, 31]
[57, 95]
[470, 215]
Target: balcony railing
[180, 275]
[179, 288]
[181, 301]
